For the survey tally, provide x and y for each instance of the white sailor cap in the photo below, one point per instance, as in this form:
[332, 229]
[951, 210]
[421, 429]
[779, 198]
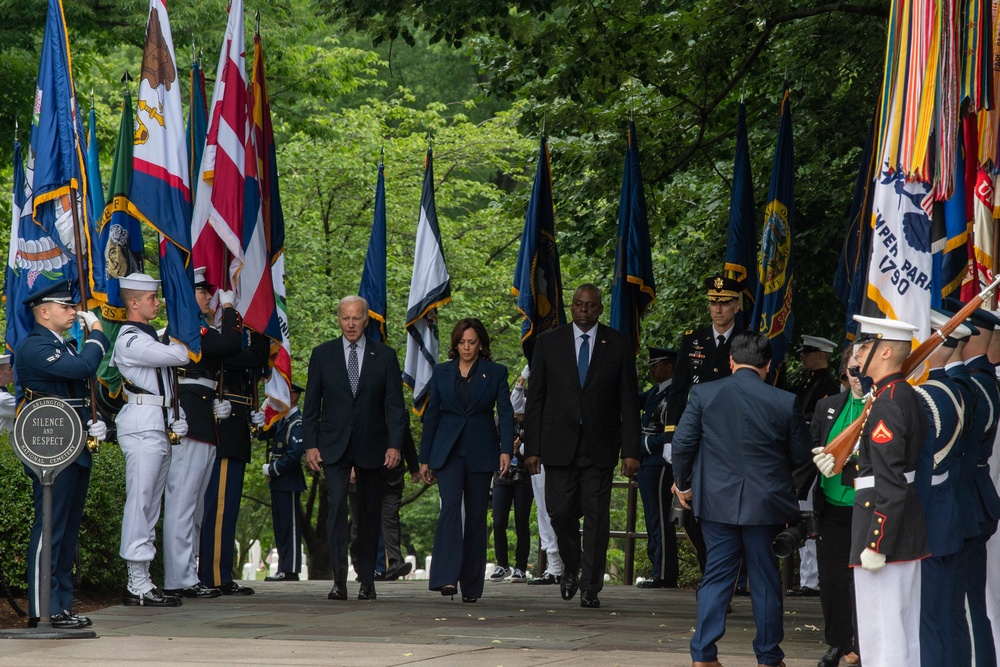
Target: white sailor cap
[883, 328]
[817, 344]
[939, 318]
[4, 359]
[139, 282]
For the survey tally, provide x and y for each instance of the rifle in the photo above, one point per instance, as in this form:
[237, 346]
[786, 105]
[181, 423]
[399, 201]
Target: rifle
[843, 445]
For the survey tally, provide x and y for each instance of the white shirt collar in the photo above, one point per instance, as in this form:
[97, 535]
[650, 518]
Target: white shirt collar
[725, 334]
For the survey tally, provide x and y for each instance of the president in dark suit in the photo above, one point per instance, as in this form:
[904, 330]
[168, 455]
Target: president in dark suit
[468, 435]
[733, 453]
[353, 418]
[582, 412]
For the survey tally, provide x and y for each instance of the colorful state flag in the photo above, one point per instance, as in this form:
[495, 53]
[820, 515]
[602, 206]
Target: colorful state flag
[537, 279]
[159, 192]
[197, 127]
[264, 239]
[430, 287]
[634, 287]
[95, 191]
[56, 169]
[772, 313]
[217, 222]
[373, 278]
[741, 239]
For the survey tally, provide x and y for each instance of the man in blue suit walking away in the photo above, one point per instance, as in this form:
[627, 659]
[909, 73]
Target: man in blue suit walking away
[733, 453]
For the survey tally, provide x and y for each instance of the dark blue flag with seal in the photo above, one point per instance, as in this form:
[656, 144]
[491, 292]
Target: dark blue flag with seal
[633, 288]
[537, 280]
[373, 278]
[772, 313]
[741, 239]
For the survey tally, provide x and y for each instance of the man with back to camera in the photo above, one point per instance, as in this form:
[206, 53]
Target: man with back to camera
[353, 418]
[583, 381]
[49, 365]
[733, 453]
[888, 535]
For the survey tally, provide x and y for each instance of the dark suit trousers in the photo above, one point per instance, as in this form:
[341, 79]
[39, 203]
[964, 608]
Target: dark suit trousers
[727, 545]
[576, 491]
[459, 555]
[392, 498]
[836, 580]
[286, 517]
[368, 518]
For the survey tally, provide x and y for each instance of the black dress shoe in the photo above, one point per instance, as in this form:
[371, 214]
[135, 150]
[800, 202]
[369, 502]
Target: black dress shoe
[741, 592]
[568, 586]
[338, 592]
[832, 656]
[282, 576]
[233, 588]
[547, 579]
[380, 576]
[66, 621]
[469, 600]
[651, 583]
[589, 600]
[198, 592]
[399, 572]
[367, 592]
[153, 598]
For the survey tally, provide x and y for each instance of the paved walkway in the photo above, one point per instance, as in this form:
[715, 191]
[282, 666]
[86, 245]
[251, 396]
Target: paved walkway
[512, 625]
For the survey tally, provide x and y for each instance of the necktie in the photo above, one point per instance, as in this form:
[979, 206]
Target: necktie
[352, 368]
[583, 361]
[722, 340]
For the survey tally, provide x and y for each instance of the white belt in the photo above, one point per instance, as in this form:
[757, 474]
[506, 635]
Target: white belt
[145, 399]
[868, 482]
[939, 479]
[204, 382]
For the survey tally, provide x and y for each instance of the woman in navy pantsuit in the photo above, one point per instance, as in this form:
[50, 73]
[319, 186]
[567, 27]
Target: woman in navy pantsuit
[468, 434]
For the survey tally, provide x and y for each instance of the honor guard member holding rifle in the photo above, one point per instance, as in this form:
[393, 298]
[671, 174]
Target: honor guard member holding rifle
[888, 535]
[50, 366]
[943, 446]
[703, 357]
[216, 551]
[980, 494]
[191, 460]
[149, 414]
[283, 472]
[655, 475]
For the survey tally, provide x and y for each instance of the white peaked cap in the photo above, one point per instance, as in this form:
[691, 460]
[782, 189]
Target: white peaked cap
[883, 328]
[822, 344]
[938, 320]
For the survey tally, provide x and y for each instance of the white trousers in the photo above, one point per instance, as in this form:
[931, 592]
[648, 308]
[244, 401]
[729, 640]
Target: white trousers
[888, 606]
[993, 556]
[808, 565]
[546, 536]
[183, 507]
[147, 459]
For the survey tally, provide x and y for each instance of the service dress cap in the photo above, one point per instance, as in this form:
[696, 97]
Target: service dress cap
[60, 292]
[817, 344]
[661, 354]
[200, 281]
[721, 288]
[883, 328]
[940, 317]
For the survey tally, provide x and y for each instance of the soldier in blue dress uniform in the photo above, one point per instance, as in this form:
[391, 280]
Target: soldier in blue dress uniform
[49, 366]
[655, 475]
[284, 475]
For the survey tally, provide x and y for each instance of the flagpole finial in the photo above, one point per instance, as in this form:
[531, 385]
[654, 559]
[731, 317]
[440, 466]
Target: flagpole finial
[381, 157]
[743, 90]
[15, 128]
[194, 52]
[126, 79]
[256, 18]
[91, 97]
[543, 124]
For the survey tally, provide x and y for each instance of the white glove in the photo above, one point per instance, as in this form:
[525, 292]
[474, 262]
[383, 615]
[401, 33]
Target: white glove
[872, 561]
[222, 409]
[668, 454]
[257, 418]
[97, 429]
[226, 297]
[526, 372]
[824, 462]
[267, 473]
[87, 318]
[179, 426]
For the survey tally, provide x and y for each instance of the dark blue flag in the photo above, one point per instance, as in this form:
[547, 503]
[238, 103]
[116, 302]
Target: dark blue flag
[772, 313]
[950, 231]
[373, 279]
[197, 127]
[537, 281]
[851, 280]
[633, 288]
[741, 240]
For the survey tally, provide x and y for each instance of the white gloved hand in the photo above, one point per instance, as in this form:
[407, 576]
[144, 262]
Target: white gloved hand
[179, 426]
[257, 417]
[226, 297]
[267, 473]
[824, 462]
[526, 372]
[872, 561]
[87, 318]
[222, 409]
[97, 429]
[668, 454]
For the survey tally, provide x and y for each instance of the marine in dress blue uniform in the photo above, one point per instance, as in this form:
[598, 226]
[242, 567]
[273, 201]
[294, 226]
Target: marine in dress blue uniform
[48, 365]
[286, 480]
[655, 475]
